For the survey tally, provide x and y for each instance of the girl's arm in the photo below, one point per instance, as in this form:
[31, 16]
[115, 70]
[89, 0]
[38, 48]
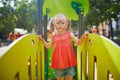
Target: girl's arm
[84, 36]
[78, 41]
[46, 44]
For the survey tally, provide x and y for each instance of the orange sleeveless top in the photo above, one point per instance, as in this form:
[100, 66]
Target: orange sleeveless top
[63, 55]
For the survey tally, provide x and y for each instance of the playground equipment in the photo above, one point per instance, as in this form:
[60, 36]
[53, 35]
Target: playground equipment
[16, 33]
[68, 7]
[98, 57]
[23, 59]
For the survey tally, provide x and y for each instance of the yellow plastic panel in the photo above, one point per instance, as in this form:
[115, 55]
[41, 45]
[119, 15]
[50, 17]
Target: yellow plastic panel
[15, 58]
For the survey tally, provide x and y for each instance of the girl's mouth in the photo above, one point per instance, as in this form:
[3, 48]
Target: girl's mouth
[60, 28]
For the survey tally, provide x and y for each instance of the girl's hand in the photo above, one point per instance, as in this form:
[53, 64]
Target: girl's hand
[85, 35]
[40, 37]
[46, 44]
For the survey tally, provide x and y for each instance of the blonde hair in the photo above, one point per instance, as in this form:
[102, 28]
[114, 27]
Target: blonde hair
[51, 23]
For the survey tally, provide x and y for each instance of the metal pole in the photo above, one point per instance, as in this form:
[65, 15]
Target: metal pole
[45, 50]
[39, 16]
[80, 22]
[45, 24]
[111, 29]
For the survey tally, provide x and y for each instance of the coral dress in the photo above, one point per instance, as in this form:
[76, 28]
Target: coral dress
[63, 55]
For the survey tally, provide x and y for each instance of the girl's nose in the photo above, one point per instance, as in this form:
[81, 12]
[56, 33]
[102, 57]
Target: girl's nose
[60, 25]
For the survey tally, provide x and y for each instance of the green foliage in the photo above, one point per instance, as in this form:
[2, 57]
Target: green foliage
[26, 14]
[101, 10]
[7, 22]
[20, 15]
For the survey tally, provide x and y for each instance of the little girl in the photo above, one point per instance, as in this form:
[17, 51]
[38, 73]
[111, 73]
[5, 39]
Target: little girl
[63, 57]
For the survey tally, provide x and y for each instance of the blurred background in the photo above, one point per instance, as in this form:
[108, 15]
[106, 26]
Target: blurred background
[104, 16]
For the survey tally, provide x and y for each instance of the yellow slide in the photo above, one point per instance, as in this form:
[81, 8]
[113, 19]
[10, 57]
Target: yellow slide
[98, 59]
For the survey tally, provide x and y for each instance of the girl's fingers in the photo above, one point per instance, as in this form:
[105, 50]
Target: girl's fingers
[85, 35]
[40, 37]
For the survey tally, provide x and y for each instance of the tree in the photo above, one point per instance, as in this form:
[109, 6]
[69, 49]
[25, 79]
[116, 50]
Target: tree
[26, 14]
[101, 10]
[7, 23]
[20, 15]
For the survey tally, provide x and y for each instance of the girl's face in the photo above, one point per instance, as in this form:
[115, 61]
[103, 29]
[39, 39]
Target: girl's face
[60, 23]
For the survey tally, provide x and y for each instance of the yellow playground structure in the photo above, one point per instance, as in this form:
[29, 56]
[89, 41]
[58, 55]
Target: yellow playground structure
[98, 59]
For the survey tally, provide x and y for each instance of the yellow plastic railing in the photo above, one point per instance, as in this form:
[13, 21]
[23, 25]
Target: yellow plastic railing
[23, 59]
[98, 59]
